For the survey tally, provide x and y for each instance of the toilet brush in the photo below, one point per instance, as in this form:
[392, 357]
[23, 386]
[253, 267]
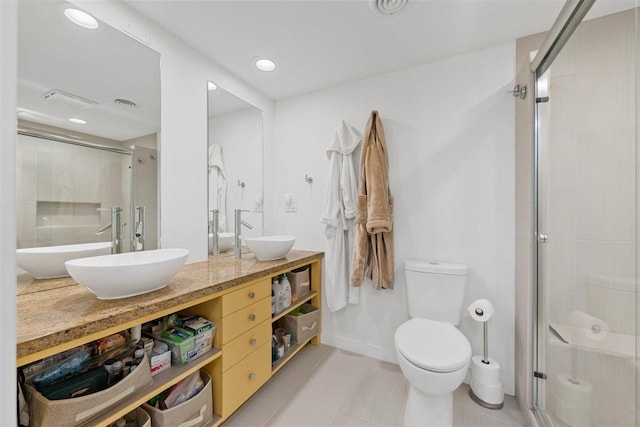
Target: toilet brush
[485, 387]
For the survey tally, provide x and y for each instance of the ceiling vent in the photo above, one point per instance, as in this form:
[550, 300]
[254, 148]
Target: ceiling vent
[387, 7]
[125, 102]
[68, 98]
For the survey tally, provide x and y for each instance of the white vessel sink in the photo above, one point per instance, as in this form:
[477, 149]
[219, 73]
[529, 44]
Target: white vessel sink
[48, 262]
[128, 274]
[270, 247]
[225, 241]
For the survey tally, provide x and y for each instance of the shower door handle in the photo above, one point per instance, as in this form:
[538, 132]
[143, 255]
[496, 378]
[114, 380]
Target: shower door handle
[542, 238]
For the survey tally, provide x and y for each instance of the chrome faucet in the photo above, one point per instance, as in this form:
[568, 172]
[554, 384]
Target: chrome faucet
[238, 227]
[115, 226]
[138, 235]
[215, 229]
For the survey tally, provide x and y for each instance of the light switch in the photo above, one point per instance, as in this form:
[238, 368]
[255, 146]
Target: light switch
[290, 203]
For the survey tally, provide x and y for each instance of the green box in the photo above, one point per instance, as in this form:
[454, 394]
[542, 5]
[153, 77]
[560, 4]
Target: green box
[197, 324]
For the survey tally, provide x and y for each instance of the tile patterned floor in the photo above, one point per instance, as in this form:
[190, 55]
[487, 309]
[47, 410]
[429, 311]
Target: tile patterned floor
[324, 386]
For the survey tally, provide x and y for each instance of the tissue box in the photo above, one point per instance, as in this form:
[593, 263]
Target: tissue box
[160, 363]
[197, 324]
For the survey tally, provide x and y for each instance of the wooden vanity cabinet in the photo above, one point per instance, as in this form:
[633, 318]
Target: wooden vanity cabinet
[245, 339]
[240, 362]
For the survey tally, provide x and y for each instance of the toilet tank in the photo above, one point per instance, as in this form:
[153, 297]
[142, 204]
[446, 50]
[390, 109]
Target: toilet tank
[435, 290]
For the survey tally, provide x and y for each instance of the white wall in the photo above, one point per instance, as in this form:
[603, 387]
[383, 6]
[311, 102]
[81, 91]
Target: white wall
[183, 139]
[450, 133]
[240, 135]
[8, 84]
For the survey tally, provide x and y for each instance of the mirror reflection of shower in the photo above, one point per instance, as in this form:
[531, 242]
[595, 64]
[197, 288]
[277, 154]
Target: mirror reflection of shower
[68, 188]
[234, 167]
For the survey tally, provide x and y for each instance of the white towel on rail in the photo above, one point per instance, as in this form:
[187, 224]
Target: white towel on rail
[218, 186]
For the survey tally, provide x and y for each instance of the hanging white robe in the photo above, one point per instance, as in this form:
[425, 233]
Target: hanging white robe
[218, 187]
[338, 217]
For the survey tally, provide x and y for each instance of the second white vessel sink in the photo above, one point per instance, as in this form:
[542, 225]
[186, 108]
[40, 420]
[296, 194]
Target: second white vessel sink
[128, 274]
[47, 262]
[268, 248]
[225, 241]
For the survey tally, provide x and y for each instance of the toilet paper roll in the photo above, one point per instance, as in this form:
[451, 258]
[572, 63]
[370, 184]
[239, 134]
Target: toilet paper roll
[589, 326]
[481, 310]
[573, 400]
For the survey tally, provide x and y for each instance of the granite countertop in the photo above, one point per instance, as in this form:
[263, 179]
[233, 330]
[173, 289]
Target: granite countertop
[56, 311]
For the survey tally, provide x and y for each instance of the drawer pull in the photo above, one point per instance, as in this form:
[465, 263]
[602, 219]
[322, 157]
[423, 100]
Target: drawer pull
[252, 377]
[252, 295]
[252, 317]
[253, 342]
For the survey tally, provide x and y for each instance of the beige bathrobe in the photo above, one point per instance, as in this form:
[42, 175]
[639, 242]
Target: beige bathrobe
[373, 247]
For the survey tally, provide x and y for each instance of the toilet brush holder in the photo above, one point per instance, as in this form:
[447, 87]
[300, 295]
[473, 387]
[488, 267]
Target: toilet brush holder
[485, 387]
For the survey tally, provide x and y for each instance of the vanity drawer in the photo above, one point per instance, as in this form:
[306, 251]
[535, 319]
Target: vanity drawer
[245, 319]
[238, 348]
[241, 298]
[247, 376]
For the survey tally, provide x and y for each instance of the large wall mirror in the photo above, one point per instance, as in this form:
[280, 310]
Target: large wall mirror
[235, 166]
[88, 133]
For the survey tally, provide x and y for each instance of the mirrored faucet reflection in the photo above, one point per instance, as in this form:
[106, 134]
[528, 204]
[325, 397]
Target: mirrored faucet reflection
[215, 229]
[115, 226]
[239, 222]
[138, 235]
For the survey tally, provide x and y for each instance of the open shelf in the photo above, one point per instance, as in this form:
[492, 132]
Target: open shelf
[216, 421]
[161, 382]
[301, 300]
[289, 354]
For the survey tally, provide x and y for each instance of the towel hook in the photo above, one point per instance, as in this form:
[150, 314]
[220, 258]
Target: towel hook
[308, 179]
[240, 184]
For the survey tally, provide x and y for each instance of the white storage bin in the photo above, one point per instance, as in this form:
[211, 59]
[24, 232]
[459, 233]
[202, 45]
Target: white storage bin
[78, 410]
[196, 411]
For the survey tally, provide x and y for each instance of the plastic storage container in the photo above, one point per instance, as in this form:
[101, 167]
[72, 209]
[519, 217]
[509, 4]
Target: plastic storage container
[192, 347]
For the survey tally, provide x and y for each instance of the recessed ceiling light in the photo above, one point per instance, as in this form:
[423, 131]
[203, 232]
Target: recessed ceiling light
[265, 64]
[211, 86]
[77, 121]
[81, 18]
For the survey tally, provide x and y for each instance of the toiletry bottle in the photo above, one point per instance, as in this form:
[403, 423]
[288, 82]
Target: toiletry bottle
[273, 300]
[276, 288]
[116, 371]
[137, 356]
[286, 292]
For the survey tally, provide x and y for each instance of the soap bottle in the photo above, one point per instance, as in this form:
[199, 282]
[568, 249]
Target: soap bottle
[286, 292]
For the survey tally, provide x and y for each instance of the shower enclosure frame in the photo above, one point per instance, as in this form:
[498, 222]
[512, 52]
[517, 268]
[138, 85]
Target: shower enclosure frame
[570, 17]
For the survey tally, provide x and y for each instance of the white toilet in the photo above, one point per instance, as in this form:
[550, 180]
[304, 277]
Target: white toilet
[433, 354]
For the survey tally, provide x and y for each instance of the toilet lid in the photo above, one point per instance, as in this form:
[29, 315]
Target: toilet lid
[435, 346]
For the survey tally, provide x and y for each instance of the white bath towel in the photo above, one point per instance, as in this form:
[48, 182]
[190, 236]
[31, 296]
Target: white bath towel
[338, 217]
[218, 185]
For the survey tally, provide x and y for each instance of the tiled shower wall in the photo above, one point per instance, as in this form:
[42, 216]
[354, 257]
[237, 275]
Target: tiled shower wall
[588, 208]
[60, 187]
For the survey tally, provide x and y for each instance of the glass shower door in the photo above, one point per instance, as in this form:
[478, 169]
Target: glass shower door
[586, 226]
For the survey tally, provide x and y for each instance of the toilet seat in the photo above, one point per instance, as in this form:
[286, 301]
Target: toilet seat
[431, 345]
